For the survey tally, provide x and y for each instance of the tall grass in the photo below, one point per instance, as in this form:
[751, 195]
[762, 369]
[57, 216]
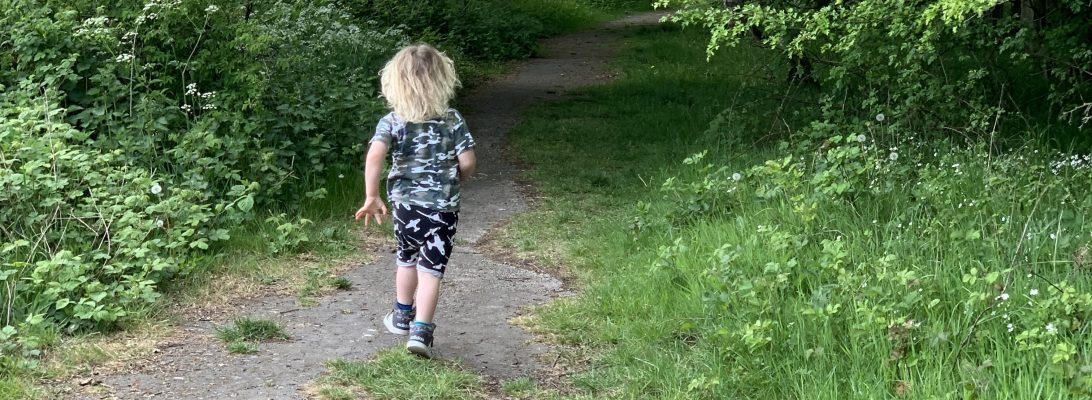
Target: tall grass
[825, 265]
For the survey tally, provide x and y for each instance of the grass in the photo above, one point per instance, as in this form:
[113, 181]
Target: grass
[768, 287]
[396, 374]
[242, 348]
[244, 334]
[251, 330]
[17, 389]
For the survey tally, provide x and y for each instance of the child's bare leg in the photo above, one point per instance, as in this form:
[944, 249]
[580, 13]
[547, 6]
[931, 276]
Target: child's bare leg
[428, 293]
[405, 283]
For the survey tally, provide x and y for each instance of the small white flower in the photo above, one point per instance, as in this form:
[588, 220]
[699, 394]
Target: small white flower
[862, 138]
[156, 189]
[159, 223]
[893, 156]
[1051, 328]
[1010, 327]
[1003, 297]
[736, 177]
[340, 176]
[1053, 236]
[212, 9]
[1034, 292]
[880, 117]
[186, 108]
[124, 58]
[1006, 316]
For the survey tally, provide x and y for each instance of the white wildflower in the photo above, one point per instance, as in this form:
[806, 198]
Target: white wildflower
[862, 138]
[156, 189]
[191, 89]
[212, 9]
[736, 177]
[1053, 236]
[1003, 297]
[1010, 327]
[340, 176]
[893, 156]
[1050, 328]
[186, 108]
[880, 117]
[124, 58]
[1034, 292]
[159, 223]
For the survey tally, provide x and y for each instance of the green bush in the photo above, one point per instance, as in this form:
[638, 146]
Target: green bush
[479, 29]
[134, 137]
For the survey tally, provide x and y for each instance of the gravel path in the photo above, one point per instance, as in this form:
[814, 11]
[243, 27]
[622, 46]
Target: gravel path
[479, 294]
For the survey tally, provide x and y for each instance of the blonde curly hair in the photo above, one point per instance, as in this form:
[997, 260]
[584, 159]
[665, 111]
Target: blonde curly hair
[419, 83]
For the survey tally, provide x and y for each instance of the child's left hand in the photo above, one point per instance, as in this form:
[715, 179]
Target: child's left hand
[373, 207]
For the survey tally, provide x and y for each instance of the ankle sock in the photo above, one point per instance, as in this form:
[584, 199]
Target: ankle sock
[426, 325]
[403, 307]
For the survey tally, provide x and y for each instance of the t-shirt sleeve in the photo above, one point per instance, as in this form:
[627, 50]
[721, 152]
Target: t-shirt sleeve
[384, 131]
[463, 139]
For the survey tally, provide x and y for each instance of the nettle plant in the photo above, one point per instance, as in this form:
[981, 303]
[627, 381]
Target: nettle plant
[134, 136]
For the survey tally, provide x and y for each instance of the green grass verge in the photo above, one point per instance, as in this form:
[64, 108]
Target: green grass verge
[396, 374]
[701, 283]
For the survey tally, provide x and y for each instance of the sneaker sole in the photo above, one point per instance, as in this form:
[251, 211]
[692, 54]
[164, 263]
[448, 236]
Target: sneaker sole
[388, 321]
[419, 349]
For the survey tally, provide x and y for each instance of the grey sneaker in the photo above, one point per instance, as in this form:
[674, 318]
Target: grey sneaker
[398, 322]
[420, 340]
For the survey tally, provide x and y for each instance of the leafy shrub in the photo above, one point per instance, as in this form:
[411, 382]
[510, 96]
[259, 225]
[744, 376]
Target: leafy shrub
[956, 67]
[133, 137]
[479, 29]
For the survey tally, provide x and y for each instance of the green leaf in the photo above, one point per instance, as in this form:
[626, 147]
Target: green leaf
[246, 203]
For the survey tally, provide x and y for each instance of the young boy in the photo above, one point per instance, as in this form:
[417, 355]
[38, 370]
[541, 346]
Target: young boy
[431, 153]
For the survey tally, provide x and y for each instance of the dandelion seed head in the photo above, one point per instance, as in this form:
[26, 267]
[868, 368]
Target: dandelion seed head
[880, 117]
[893, 156]
[156, 189]
[737, 177]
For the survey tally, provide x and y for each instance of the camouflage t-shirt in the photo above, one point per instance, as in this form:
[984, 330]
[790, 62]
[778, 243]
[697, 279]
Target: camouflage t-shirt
[424, 159]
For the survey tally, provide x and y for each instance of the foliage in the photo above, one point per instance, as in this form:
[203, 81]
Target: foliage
[479, 29]
[937, 66]
[135, 137]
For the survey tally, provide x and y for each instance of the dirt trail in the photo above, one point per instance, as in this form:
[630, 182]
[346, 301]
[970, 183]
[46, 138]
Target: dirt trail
[479, 294]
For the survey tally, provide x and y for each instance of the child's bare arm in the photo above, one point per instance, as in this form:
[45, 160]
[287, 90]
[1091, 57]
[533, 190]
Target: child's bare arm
[468, 162]
[373, 168]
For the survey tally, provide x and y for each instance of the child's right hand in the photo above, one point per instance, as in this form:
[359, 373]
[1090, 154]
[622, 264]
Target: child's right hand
[373, 207]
